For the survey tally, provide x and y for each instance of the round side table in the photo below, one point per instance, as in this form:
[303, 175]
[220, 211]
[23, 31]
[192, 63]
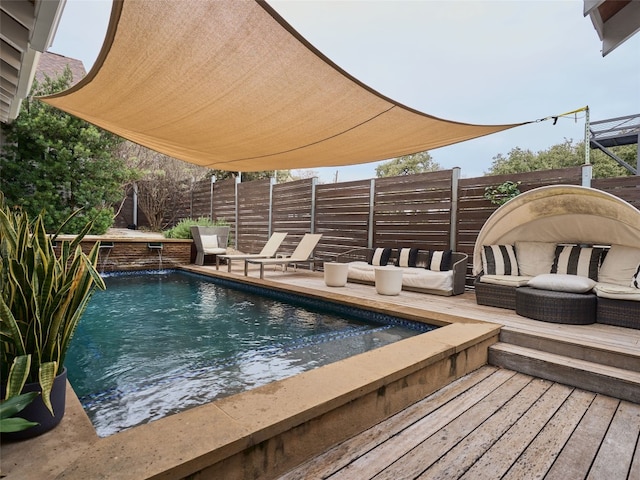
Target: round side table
[388, 280]
[335, 274]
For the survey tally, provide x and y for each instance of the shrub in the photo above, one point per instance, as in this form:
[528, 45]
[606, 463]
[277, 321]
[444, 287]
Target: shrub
[183, 228]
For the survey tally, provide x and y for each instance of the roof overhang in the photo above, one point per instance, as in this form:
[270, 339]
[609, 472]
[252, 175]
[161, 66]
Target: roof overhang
[614, 20]
[28, 28]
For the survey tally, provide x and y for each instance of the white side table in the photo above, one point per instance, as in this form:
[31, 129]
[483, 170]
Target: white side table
[388, 280]
[335, 274]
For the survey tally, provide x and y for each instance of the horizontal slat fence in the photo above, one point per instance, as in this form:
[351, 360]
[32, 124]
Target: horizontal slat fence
[342, 216]
[413, 210]
[253, 215]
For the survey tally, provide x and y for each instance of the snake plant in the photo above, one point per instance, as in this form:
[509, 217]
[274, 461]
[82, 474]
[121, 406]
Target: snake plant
[42, 298]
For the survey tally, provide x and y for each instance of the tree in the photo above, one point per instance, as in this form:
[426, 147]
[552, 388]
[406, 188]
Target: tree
[58, 163]
[408, 165]
[162, 182]
[563, 155]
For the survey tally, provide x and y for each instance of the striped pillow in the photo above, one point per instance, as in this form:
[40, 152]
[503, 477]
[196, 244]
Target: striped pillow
[635, 280]
[577, 260]
[380, 257]
[407, 257]
[440, 261]
[499, 260]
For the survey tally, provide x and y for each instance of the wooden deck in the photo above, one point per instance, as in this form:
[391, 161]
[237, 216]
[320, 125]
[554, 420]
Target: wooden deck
[494, 422]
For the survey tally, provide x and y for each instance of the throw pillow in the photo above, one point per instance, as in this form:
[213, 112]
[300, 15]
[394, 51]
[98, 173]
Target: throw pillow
[619, 265]
[534, 258]
[440, 260]
[407, 257]
[380, 257]
[577, 260]
[209, 241]
[562, 283]
[635, 280]
[499, 260]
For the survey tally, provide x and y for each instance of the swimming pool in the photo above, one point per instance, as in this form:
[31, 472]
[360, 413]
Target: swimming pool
[158, 343]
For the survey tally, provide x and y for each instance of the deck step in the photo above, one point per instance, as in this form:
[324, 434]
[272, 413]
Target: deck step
[595, 377]
[597, 351]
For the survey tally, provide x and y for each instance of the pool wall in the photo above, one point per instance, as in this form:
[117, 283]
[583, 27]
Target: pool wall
[267, 431]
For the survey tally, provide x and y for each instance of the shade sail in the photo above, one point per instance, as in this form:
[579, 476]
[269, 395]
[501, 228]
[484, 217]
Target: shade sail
[230, 85]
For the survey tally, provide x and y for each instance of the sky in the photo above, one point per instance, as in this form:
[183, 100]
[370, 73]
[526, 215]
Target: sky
[480, 62]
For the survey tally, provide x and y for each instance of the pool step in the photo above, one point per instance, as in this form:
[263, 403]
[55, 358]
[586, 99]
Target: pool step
[595, 377]
[613, 354]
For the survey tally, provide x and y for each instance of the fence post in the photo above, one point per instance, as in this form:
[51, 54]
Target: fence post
[272, 182]
[135, 205]
[213, 180]
[372, 194]
[314, 182]
[237, 217]
[453, 219]
[587, 174]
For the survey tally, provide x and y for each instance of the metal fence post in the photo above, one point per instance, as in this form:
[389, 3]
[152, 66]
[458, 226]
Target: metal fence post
[213, 180]
[314, 182]
[237, 216]
[272, 182]
[587, 174]
[453, 221]
[372, 193]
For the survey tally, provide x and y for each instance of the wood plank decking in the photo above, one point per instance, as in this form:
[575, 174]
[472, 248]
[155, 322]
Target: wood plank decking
[493, 423]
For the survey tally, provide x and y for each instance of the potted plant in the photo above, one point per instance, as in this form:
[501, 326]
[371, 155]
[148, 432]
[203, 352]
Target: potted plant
[42, 298]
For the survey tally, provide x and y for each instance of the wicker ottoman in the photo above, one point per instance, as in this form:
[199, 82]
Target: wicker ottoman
[556, 307]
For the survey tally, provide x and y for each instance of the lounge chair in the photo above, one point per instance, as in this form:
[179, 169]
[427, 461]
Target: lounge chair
[302, 254]
[209, 241]
[268, 251]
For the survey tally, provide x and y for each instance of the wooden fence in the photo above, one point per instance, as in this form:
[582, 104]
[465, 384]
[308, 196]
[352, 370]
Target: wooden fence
[435, 210]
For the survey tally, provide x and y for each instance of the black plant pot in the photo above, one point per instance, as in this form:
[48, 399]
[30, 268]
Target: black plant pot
[36, 411]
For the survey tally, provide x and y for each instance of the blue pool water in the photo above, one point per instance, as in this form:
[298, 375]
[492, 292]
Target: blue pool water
[158, 343]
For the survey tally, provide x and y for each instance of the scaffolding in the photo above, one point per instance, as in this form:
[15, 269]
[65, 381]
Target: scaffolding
[615, 132]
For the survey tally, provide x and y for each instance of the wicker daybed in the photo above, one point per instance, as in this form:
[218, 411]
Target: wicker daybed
[579, 247]
[419, 278]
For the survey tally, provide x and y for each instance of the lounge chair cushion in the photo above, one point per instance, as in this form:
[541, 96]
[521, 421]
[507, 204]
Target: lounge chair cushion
[577, 260]
[506, 280]
[535, 258]
[635, 280]
[499, 260]
[617, 292]
[440, 260]
[407, 257]
[380, 257]
[619, 265]
[559, 282]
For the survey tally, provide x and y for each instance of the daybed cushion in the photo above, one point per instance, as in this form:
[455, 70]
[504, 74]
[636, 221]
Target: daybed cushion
[559, 282]
[535, 258]
[506, 280]
[499, 260]
[380, 257]
[617, 292]
[411, 277]
[407, 257]
[619, 265]
[440, 260]
[576, 260]
[210, 245]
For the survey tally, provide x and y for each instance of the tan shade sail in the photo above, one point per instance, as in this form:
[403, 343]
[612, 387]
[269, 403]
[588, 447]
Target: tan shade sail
[230, 85]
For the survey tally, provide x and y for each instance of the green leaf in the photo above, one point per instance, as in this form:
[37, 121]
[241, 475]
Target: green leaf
[18, 375]
[13, 405]
[47, 375]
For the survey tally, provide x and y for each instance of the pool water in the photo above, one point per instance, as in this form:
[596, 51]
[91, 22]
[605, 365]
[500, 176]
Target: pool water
[155, 344]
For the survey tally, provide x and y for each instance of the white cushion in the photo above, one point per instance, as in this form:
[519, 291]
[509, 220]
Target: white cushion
[507, 280]
[535, 258]
[209, 241]
[619, 265]
[499, 260]
[562, 283]
[617, 292]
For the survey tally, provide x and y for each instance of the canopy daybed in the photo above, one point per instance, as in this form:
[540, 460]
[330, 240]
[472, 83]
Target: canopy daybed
[579, 241]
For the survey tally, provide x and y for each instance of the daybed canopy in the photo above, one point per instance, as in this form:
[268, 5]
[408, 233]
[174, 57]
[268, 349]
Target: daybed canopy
[230, 85]
[562, 214]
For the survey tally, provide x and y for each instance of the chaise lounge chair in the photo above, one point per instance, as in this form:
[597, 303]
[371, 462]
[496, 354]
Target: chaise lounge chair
[302, 254]
[268, 251]
[209, 241]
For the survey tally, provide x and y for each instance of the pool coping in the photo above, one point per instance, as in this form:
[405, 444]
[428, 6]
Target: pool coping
[270, 429]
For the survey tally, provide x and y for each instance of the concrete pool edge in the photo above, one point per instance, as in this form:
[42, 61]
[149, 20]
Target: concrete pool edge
[267, 431]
